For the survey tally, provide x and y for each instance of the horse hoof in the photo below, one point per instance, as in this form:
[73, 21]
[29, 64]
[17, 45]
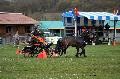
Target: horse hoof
[77, 56]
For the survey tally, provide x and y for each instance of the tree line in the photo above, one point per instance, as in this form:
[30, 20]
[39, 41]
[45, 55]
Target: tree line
[30, 7]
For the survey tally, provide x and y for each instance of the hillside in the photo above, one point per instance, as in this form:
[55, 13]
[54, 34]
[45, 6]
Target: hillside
[38, 8]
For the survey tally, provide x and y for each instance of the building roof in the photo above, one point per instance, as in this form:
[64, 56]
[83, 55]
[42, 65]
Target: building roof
[93, 15]
[51, 25]
[111, 24]
[15, 18]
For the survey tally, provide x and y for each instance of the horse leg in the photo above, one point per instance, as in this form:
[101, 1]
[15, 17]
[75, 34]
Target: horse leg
[83, 52]
[77, 52]
[63, 51]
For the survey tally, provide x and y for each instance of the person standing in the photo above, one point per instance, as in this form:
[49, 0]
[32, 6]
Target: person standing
[16, 43]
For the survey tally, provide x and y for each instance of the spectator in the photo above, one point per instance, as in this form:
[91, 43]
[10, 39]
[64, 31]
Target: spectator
[16, 39]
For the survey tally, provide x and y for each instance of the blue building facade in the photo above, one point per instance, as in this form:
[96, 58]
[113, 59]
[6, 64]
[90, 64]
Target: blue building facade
[54, 27]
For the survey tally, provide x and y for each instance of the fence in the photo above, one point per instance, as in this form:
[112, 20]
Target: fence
[11, 39]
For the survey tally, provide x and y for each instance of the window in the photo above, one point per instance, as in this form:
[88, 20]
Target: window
[69, 20]
[27, 29]
[118, 31]
[118, 12]
[93, 22]
[8, 29]
[57, 31]
[85, 21]
[70, 31]
[69, 27]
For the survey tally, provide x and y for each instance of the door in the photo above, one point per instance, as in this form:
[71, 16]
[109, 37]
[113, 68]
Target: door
[9, 32]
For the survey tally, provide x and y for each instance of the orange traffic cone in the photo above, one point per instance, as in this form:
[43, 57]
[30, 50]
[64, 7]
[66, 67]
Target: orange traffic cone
[18, 51]
[42, 55]
[113, 43]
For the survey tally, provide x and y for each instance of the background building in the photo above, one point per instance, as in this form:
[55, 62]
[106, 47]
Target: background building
[53, 30]
[54, 27]
[10, 23]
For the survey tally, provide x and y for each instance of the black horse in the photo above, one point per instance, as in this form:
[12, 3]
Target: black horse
[78, 42]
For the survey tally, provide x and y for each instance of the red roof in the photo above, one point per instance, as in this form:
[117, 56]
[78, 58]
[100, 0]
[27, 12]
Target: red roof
[15, 18]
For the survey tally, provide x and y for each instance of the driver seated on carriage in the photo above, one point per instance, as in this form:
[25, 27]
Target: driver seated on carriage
[37, 37]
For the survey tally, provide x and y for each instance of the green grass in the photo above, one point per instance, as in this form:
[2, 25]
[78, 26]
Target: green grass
[102, 62]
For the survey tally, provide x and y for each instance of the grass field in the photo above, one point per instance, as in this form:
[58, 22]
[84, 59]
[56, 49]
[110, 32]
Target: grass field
[102, 62]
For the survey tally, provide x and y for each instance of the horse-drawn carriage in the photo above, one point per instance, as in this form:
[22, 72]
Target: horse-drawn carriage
[36, 45]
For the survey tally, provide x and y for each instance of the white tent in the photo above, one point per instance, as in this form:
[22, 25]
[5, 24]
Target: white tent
[96, 16]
